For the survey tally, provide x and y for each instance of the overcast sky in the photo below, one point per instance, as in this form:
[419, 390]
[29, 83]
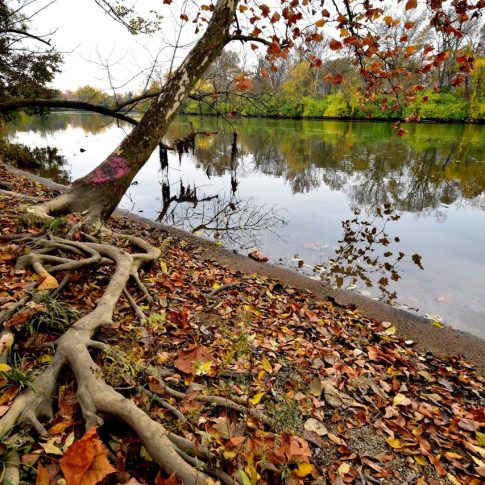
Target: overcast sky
[82, 30]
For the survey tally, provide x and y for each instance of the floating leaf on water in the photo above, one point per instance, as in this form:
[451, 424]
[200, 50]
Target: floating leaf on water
[417, 260]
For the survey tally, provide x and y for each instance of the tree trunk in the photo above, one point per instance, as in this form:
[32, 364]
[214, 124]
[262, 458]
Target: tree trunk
[100, 191]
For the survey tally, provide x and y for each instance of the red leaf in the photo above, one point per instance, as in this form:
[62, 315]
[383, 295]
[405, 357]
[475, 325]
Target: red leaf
[171, 480]
[43, 476]
[410, 4]
[85, 462]
[335, 45]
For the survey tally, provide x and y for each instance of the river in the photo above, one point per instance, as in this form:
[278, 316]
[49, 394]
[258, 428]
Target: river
[401, 219]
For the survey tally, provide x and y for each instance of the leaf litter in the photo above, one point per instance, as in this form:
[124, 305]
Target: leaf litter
[344, 399]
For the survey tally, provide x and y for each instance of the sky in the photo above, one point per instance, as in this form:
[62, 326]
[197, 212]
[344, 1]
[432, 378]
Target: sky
[85, 34]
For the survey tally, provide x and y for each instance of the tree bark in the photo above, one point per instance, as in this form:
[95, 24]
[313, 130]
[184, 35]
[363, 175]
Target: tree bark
[100, 191]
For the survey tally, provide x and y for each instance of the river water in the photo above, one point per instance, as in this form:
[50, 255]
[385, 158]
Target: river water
[350, 203]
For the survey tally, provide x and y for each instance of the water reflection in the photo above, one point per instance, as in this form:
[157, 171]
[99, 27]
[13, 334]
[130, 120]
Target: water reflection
[417, 173]
[363, 256]
[318, 172]
[224, 216]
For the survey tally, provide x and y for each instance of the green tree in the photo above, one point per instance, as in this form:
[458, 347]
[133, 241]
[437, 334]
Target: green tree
[28, 63]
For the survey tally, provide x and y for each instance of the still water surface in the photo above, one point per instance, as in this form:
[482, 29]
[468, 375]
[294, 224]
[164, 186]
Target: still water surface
[400, 219]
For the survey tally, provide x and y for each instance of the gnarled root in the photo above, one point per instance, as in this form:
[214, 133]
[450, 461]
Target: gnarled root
[95, 396]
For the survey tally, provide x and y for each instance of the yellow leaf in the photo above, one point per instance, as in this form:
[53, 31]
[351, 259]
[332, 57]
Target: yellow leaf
[48, 283]
[479, 463]
[480, 438]
[450, 454]
[244, 477]
[250, 469]
[267, 366]
[163, 266]
[51, 448]
[452, 479]
[344, 33]
[45, 359]
[256, 398]
[478, 450]
[5, 368]
[215, 286]
[401, 400]
[203, 368]
[394, 443]
[420, 460]
[304, 469]
[437, 324]
[229, 455]
[343, 469]
[145, 455]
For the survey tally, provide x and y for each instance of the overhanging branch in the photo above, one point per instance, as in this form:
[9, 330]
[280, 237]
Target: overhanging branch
[15, 105]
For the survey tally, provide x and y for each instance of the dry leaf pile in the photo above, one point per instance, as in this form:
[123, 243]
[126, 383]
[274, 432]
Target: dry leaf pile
[257, 382]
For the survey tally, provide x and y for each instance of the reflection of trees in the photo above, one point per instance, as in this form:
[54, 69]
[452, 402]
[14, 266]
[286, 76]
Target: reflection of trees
[433, 165]
[90, 122]
[225, 217]
[236, 222]
[365, 255]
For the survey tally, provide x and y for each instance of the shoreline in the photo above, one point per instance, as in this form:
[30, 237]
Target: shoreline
[424, 121]
[426, 337]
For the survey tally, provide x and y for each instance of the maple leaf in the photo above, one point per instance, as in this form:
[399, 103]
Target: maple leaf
[85, 462]
[410, 4]
[189, 360]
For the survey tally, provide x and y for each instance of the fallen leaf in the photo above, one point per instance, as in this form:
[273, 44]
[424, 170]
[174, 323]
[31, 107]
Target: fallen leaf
[43, 476]
[256, 398]
[171, 480]
[304, 469]
[312, 424]
[316, 387]
[189, 360]
[48, 283]
[86, 462]
[258, 256]
[401, 400]
[51, 447]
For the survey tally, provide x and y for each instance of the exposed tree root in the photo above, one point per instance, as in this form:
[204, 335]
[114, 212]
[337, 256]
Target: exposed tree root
[96, 398]
[50, 254]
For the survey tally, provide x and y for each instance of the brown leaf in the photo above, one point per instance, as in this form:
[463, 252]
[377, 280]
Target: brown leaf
[43, 476]
[20, 318]
[86, 462]
[411, 4]
[468, 424]
[189, 360]
[171, 480]
[258, 256]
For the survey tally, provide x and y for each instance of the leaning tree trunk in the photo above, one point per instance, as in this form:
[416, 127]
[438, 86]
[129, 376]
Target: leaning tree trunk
[100, 191]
